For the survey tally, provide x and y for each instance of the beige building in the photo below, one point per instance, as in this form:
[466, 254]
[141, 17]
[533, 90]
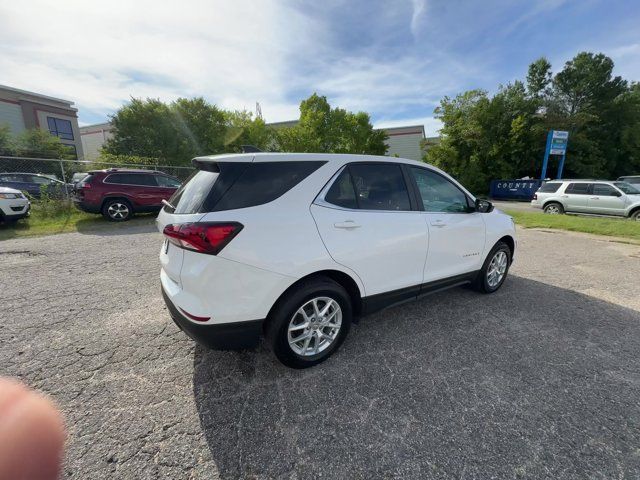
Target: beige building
[405, 142]
[93, 137]
[22, 110]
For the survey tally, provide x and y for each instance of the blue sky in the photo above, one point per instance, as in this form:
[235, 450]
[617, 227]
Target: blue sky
[393, 59]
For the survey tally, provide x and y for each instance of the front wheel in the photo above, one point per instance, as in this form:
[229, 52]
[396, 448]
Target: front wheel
[310, 323]
[494, 270]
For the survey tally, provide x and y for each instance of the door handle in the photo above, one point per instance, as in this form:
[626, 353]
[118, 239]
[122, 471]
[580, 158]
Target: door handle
[594, 198]
[438, 223]
[348, 224]
[565, 196]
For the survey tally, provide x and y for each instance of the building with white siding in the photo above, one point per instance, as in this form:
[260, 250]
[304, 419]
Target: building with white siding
[22, 110]
[93, 138]
[404, 142]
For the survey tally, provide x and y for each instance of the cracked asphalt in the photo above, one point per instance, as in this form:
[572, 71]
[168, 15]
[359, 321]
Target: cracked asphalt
[540, 380]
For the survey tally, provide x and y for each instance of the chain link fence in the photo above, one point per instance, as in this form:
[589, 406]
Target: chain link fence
[64, 170]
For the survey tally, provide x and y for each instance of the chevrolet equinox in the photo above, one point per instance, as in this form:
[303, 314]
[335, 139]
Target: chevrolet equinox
[294, 247]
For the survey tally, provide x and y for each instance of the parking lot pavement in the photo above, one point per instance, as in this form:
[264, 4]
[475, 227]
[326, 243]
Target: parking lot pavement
[540, 380]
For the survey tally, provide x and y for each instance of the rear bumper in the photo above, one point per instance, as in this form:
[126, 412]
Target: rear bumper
[536, 204]
[86, 207]
[221, 336]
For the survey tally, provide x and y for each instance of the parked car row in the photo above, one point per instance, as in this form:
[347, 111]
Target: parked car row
[115, 193]
[600, 197]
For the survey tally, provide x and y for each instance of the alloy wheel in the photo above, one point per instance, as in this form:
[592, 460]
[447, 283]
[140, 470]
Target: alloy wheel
[497, 268]
[118, 211]
[314, 326]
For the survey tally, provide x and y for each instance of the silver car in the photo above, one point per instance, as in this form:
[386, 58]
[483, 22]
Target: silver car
[589, 196]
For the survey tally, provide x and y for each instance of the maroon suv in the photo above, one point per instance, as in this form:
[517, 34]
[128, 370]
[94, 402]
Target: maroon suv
[119, 193]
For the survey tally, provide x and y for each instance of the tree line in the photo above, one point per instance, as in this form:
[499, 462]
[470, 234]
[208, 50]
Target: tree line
[487, 137]
[178, 131]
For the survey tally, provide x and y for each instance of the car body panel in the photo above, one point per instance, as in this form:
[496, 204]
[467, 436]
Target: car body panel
[13, 208]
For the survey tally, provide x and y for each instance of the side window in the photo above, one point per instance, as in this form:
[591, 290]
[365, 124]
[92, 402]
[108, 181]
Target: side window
[263, 182]
[341, 192]
[39, 180]
[131, 179]
[577, 189]
[604, 190]
[145, 179]
[549, 188]
[169, 182]
[380, 187]
[439, 194]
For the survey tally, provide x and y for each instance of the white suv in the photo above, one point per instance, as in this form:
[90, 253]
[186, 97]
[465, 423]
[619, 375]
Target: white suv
[296, 246]
[599, 197]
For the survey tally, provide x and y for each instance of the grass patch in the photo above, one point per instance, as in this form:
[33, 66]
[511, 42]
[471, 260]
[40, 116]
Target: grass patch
[53, 217]
[614, 227]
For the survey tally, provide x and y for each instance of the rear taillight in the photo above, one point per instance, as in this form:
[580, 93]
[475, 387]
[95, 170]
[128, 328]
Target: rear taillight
[202, 237]
[535, 196]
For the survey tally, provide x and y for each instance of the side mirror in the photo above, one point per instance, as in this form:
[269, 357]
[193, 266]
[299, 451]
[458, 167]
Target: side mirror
[483, 206]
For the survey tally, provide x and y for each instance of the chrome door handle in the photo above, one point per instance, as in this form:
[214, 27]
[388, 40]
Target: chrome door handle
[349, 224]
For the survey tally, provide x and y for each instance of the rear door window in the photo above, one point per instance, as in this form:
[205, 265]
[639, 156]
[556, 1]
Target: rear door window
[342, 193]
[167, 182]
[138, 179]
[578, 188]
[380, 187]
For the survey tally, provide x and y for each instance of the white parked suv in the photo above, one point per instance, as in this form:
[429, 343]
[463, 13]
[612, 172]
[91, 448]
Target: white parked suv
[13, 204]
[599, 197]
[296, 246]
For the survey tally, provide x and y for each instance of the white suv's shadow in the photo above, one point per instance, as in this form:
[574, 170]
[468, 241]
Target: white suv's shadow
[532, 381]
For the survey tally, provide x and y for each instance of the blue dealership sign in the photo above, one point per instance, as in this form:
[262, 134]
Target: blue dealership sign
[557, 141]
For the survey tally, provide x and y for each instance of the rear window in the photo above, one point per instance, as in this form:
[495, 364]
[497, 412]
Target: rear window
[549, 187]
[239, 185]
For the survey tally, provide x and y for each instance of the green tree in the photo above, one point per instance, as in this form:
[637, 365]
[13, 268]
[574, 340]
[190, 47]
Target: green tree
[503, 136]
[243, 129]
[331, 130]
[6, 144]
[41, 144]
[173, 133]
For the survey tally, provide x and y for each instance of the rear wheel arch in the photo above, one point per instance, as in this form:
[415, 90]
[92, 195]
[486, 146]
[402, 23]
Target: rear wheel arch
[634, 211]
[117, 197]
[341, 278]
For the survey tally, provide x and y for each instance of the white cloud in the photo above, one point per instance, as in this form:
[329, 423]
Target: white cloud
[100, 54]
[419, 7]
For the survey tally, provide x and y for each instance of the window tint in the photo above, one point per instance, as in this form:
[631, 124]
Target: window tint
[263, 182]
[39, 180]
[627, 188]
[60, 128]
[238, 185]
[341, 192]
[165, 181]
[379, 187]
[549, 187]
[192, 194]
[439, 194]
[604, 190]
[143, 179]
[578, 188]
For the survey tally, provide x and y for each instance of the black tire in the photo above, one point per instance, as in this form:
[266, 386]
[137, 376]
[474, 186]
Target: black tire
[117, 210]
[283, 313]
[635, 216]
[554, 208]
[482, 283]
